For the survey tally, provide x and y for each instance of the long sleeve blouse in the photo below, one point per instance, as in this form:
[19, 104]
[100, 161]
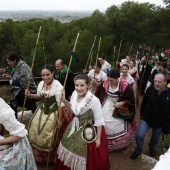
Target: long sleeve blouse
[10, 123]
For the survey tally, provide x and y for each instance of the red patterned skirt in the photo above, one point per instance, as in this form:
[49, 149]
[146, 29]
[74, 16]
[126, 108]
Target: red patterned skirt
[97, 158]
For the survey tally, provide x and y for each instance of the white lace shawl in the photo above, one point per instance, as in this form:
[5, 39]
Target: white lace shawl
[133, 70]
[11, 124]
[129, 78]
[101, 76]
[88, 102]
[84, 105]
[56, 89]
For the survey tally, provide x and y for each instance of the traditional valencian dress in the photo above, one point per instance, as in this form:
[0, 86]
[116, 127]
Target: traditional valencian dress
[17, 155]
[43, 122]
[74, 152]
[129, 79]
[120, 133]
[133, 72]
[100, 77]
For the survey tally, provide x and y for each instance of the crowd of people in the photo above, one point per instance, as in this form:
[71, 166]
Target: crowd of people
[78, 120]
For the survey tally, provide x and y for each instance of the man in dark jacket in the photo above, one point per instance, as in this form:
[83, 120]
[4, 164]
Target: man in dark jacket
[155, 114]
[60, 75]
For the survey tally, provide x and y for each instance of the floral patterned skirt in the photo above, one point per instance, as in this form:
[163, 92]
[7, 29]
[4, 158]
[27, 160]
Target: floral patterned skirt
[17, 156]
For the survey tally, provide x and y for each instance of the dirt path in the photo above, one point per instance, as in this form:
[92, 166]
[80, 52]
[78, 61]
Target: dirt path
[119, 160]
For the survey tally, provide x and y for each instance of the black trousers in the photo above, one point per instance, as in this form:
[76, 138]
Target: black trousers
[30, 104]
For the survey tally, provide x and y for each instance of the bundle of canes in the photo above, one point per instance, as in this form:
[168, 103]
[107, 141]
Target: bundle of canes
[119, 52]
[71, 58]
[96, 61]
[90, 54]
[31, 69]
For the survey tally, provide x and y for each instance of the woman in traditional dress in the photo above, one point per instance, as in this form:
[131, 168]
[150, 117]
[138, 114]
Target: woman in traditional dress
[106, 67]
[19, 75]
[118, 108]
[15, 150]
[132, 69]
[125, 74]
[125, 61]
[75, 150]
[45, 119]
[97, 76]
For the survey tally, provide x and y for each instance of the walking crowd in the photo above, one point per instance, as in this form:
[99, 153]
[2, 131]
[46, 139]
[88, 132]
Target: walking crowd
[77, 120]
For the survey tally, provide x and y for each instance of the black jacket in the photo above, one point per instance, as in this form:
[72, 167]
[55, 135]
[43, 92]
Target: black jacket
[155, 109]
[70, 87]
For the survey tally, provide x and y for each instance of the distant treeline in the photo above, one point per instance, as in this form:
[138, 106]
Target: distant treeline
[61, 15]
[132, 23]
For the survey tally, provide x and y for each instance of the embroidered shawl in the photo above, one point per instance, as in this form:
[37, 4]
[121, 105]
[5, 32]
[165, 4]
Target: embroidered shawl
[126, 93]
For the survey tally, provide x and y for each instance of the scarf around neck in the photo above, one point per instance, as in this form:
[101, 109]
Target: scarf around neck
[59, 74]
[14, 68]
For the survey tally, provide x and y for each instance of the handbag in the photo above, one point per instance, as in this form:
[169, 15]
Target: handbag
[89, 133]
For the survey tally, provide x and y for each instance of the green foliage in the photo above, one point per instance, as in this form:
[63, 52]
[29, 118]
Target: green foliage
[132, 22]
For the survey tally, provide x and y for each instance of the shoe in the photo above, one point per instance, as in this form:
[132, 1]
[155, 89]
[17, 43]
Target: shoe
[151, 152]
[134, 155]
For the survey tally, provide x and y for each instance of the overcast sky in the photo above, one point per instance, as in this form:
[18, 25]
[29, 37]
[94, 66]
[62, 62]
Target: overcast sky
[65, 4]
